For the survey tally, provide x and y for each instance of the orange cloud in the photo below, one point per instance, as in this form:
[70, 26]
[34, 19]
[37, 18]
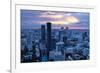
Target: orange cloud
[71, 19]
[59, 22]
[67, 20]
[60, 19]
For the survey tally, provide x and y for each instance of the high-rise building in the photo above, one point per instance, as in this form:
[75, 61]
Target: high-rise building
[61, 34]
[49, 36]
[43, 33]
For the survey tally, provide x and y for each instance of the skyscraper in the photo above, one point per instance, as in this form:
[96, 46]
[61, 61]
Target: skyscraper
[49, 36]
[61, 34]
[43, 33]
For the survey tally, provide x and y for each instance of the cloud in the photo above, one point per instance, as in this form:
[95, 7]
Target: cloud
[36, 18]
[56, 16]
[71, 19]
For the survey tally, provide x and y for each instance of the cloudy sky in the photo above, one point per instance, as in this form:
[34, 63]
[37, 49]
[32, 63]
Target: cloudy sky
[35, 18]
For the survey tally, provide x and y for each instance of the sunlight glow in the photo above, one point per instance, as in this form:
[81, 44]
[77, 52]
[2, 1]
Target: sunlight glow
[71, 19]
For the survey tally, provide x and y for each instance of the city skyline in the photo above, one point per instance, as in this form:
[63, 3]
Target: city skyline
[54, 36]
[36, 18]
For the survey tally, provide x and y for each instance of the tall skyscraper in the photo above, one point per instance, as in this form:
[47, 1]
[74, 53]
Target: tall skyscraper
[43, 33]
[49, 36]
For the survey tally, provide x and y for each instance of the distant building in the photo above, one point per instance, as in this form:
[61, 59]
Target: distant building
[59, 46]
[53, 43]
[67, 28]
[62, 33]
[65, 40]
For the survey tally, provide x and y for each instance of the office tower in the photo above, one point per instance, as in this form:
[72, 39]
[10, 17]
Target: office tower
[43, 33]
[61, 34]
[48, 39]
[49, 36]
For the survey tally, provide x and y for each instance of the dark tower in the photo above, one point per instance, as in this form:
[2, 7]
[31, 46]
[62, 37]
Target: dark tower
[43, 33]
[49, 36]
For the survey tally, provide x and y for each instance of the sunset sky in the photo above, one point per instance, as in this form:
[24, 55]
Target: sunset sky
[35, 18]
